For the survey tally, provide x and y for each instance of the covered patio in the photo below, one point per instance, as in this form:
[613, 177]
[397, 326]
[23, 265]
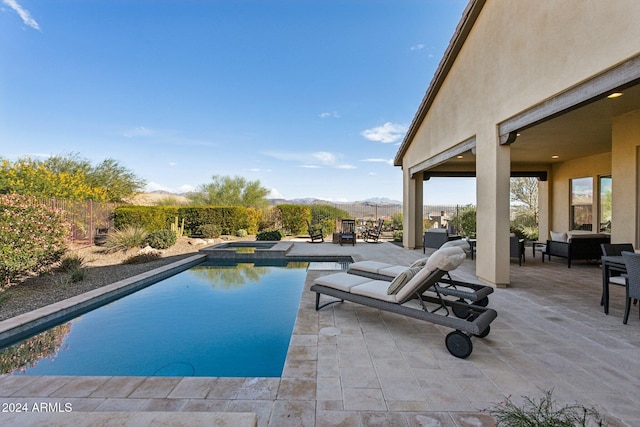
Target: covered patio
[356, 366]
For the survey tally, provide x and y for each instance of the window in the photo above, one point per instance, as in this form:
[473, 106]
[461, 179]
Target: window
[604, 213]
[582, 204]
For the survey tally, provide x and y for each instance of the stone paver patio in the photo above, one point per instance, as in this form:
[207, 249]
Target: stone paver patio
[356, 366]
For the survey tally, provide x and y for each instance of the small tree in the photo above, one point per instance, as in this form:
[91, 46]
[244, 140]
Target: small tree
[465, 220]
[228, 191]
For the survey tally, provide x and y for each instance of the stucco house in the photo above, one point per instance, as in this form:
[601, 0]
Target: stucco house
[544, 88]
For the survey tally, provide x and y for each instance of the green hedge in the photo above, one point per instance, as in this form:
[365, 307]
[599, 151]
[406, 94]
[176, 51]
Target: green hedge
[294, 218]
[230, 219]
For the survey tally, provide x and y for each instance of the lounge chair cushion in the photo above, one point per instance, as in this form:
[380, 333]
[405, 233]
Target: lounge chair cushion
[446, 259]
[392, 271]
[402, 279]
[374, 289]
[342, 281]
[369, 266]
[460, 243]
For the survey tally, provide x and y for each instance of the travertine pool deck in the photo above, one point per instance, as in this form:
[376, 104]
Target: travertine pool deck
[356, 366]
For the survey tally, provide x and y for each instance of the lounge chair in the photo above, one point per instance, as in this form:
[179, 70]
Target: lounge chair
[396, 297]
[315, 232]
[371, 235]
[348, 232]
[447, 286]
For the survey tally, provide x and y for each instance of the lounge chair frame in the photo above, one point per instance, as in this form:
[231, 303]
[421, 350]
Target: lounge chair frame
[476, 323]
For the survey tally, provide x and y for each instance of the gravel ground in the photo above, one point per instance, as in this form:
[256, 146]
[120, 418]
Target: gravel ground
[101, 269]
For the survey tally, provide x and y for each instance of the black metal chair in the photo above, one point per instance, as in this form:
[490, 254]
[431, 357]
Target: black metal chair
[632, 262]
[516, 249]
[348, 232]
[373, 234]
[315, 232]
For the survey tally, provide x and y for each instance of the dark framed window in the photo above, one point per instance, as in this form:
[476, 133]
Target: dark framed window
[582, 204]
[604, 209]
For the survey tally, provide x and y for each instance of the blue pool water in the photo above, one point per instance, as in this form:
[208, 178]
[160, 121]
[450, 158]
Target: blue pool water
[210, 320]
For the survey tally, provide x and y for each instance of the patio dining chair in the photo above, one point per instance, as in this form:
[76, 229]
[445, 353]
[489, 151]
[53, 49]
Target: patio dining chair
[348, 232]
[616, 249]
[632, 262]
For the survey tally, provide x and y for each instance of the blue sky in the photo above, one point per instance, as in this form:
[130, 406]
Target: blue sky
[310, 97]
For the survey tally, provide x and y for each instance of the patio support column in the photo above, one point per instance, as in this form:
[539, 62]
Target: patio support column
[412, 210]
[544, 208]
[492, 216]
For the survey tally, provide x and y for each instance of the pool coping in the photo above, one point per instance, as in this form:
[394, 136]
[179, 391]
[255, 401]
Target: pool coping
[278, 249]
[22, 326]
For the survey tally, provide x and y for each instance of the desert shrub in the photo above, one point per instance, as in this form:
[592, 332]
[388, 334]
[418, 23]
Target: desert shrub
[294, 218]
[270, 235]
[161, 239]
[209, 231]
[544, 412]
[78, 274]
[142, 258]
[126, 238]
[242, 233]
[71, 262]
[326, 215]
[397, 236]
[32, 236]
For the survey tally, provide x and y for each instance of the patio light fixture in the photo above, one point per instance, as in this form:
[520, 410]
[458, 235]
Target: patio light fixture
[615, 95]
[555, 157]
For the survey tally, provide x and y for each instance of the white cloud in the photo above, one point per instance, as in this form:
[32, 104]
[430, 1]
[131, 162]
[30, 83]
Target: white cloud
[258, 170]
[332, 114]
[417, 47]
[154, 186]
[324, 158]
[139, 132]
[172, 164]
[387, 161]
[186, 188]
[315, 160]
[23, 13]
[388, 132]
[275, 194]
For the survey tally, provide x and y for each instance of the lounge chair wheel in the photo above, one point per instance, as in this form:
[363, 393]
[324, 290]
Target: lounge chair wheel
[459, 344]
[483, 302]
[462, 313]
[484, 333]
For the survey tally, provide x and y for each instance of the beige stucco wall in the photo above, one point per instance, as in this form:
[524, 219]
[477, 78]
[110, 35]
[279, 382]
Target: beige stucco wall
[625, 154]
[562, 173]
[518, 54]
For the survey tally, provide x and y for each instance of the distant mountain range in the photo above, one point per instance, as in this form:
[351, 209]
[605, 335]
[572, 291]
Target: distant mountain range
[158, 194]
[312, 201]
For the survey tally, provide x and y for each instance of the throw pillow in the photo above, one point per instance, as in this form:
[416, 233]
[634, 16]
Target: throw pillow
[558, 237]
[402, 279]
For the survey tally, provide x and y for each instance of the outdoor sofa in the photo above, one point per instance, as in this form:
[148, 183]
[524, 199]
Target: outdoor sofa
[575, 245]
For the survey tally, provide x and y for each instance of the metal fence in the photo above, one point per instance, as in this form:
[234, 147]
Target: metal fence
[85, 216]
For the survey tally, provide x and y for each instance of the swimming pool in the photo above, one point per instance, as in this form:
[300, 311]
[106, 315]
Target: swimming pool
[228, 320]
